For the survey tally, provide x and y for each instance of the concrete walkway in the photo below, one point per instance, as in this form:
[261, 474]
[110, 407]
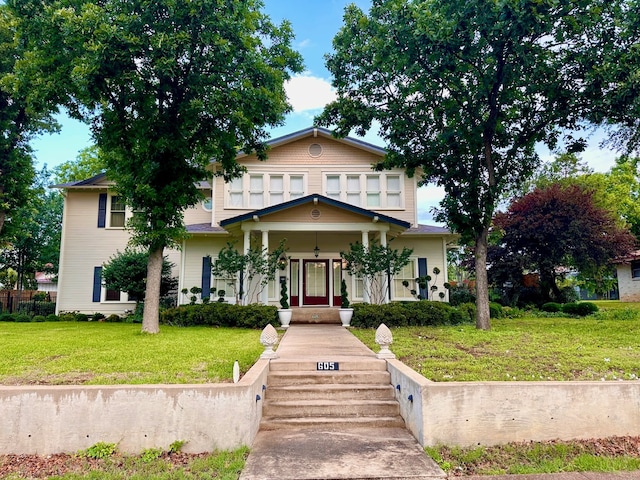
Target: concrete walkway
[353, 453]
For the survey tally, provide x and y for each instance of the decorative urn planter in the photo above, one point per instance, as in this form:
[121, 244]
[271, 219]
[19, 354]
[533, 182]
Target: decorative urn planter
[284, 315]
[345, 316]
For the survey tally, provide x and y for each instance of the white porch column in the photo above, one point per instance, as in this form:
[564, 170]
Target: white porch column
[265, 249]
[365, 281]
[385, 275]
[243, 281]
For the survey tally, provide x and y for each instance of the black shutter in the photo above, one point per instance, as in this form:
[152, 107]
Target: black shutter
[206, 277]
[422, 272]
[97, 283]
[102, 210]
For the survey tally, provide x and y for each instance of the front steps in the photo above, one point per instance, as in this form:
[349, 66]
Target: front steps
[358, 395]
[315, 315]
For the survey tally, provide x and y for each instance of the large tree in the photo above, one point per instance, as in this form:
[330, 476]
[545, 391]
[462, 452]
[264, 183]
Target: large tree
[167, 86]
[561, 226]
[463, 90]
[23, 113]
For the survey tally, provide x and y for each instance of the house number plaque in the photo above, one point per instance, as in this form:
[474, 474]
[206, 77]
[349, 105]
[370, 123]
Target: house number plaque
[328, 366]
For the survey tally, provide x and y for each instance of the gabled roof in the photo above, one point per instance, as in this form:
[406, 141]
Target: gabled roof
[627, 259]
[321, 133]
[96, 179]
[315, 199]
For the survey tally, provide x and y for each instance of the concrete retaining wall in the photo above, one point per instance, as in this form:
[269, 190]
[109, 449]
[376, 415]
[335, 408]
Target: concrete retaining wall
[491, 413]
[47, 420]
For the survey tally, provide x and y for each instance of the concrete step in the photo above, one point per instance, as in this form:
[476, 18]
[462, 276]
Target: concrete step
[330, 392]
[330, 408]
[284, 378]
[335, 423]
[315, 315]
[344, 364]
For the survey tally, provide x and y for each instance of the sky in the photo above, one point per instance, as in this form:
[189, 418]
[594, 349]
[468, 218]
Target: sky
[315, 23]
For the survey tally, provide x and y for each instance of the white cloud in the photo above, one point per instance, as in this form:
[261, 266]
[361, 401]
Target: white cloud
[306, 92]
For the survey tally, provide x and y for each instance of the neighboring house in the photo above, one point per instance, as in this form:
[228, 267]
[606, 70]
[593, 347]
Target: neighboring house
[313, 191]
[46, 282]
[628, 270]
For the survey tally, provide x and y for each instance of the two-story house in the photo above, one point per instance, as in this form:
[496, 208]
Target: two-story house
[317, 193]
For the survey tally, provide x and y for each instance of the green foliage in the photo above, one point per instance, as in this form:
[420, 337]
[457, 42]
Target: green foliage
[113, 318]
[460, 293]
[98, 317]
[284, 297]
[7, 317]
[89, 163]
[551, 307]
[257, 268]
[81, 317]
[394, 314]
[468, 310]
[344, 295]
[22, 318]
[176, 446]
[372, 264]
[495, 310]
[99, 450]
[581, 309]
[67, 317]
[148, 455]
[127, 272]
[221, 315]
[38, 318]
[52, 317]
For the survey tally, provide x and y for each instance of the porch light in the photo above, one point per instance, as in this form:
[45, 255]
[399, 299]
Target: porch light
[316, 250]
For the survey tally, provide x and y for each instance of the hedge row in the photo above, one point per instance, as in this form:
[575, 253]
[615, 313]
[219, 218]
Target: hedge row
[34, 308]
[402, 314]
[581, 309]
[221, 315]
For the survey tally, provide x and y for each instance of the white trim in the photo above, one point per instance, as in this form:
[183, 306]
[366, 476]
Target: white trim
[287, 193]
[344, 193]
[250, 225]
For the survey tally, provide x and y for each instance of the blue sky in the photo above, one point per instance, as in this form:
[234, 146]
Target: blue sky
[315, 22]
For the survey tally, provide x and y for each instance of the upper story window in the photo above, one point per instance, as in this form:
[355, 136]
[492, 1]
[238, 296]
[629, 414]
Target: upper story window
[117, 212]
[379, 190]
[259, 190]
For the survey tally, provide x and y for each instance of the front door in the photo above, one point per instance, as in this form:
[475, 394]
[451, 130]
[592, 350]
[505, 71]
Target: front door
[315, 283]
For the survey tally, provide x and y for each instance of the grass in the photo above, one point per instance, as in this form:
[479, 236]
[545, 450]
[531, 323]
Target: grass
[525, 349]
[539, 457]
[115, 353]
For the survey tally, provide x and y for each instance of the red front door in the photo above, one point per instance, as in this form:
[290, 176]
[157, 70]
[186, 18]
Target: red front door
[315, 284]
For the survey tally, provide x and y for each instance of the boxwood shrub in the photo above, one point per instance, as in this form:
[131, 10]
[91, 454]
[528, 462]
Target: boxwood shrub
[7, 317]
[401, 314]
[551, 307]
[221, 315]
[581, 309]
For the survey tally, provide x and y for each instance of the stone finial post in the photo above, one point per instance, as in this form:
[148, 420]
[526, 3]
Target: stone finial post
[269, 338]
[384, 338]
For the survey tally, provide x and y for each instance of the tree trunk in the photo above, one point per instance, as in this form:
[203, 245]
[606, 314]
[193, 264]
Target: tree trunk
[482, 282]
[151, 316]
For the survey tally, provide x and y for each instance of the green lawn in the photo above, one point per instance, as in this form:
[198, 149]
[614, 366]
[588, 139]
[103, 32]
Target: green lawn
[116, 353]
[526, 349]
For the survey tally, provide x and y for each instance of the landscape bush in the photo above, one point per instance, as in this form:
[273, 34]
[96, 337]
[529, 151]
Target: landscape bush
[468, 310]
[67, 317]
[581, 309]
[22, 318]
[113, 318]
[7, 317]
[52, 317]
[495, 310]
[551, 307]
[221, 315]
[459, 294]
[98, 317]
[400, 314]
[38, 318]
[81, 317]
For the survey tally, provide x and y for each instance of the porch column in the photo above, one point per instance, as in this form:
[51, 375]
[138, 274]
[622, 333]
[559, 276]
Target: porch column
[247, 247]
[265, 248]
[386, 278]
[365, 281]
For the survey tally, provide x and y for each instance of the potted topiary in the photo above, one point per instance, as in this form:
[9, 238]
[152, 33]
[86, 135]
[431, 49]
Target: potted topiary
[284, 313]
[345, 312]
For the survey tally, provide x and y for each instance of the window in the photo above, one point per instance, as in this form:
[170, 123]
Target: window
[276, 189]
[259, 190]
[112, 295]
[117, 212]
[635, 269]
[369, 190]
[408, 274]
[207, 203]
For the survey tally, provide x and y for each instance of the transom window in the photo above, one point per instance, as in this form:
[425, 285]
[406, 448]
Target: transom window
[259, 190]
[381, 190]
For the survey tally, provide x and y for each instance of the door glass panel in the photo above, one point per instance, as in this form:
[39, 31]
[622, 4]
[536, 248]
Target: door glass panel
[336, 278]
[315, 282]
[294, 278]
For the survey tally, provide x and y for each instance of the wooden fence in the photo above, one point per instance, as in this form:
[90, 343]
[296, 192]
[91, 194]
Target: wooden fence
[9, 299]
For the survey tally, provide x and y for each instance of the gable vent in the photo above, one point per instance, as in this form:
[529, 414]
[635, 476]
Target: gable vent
[315, 214]
[315, 149]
